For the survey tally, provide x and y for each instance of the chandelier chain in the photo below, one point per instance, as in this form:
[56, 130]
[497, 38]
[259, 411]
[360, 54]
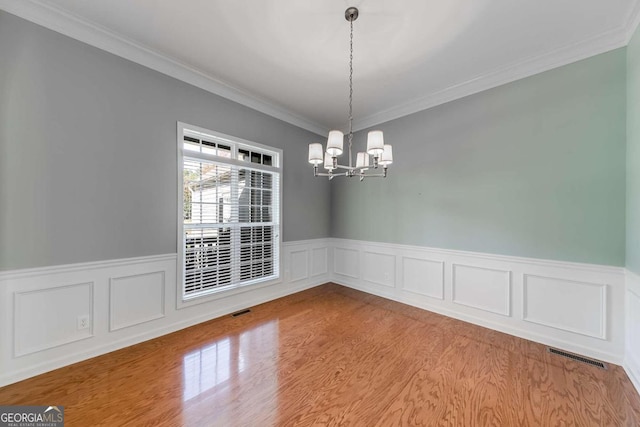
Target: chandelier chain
[350, 89]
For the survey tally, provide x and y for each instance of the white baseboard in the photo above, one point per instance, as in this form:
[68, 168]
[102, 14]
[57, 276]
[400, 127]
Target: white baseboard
[540, 300]
[632, 311]
[52, 298]
[632, 368]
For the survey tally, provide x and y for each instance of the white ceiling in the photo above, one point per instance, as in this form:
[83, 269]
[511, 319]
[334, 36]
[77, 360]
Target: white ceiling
[289, 58]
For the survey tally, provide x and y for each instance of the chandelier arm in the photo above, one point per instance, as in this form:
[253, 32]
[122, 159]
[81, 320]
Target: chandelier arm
[349, 174]
[335, 175]
[360, 170]
[344, 167]
[376, 175]
[373, 175]
[332, 175]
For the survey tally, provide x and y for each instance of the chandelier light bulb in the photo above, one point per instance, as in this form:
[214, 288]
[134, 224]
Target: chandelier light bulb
[328, 162]
[334, 143]
[362, 161]
[315, 153]
[375, 143]
[386, 158]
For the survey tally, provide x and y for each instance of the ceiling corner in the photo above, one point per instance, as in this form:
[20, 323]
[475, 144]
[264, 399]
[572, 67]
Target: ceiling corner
[633, 21]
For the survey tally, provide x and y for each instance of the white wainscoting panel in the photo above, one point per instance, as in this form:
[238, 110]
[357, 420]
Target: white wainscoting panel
[632, 349]
[346, 262]
[136, 299]
[482, 288]
[128, 301]
[319, 261]
[423, 277]
[379, 268]
[552, 302]
[48, 318]
[299, 265]
[575, 307]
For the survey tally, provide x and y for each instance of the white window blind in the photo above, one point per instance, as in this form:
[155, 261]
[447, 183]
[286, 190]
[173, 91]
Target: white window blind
[230, 224]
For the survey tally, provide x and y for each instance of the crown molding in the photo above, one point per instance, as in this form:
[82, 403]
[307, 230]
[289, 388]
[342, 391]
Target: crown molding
[601, 43]
[633, 21]
[87, 32]
[97, 36]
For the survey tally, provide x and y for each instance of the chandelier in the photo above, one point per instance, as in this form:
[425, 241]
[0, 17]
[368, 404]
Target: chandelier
[378, 153]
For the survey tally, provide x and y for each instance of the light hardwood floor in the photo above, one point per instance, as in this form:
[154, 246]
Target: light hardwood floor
[334, 356]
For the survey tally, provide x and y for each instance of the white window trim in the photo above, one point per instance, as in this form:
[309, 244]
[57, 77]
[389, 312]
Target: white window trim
[222, 293]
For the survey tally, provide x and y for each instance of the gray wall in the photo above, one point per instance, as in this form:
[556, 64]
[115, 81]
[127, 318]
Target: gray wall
[633, 154]
[88, 153]
[534, 168]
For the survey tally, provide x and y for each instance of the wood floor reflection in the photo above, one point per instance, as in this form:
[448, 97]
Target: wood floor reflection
[334, 356]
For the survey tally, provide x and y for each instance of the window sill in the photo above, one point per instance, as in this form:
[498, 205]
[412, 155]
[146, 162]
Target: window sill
[223, 293]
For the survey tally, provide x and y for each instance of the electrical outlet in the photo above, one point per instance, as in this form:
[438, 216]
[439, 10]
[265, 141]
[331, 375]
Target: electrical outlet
[83, 322]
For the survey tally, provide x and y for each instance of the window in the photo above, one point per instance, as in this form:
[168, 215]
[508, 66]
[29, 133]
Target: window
[229, 224]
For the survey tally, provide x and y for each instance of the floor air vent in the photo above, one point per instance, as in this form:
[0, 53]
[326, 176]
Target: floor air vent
[241, 312]
[577, 358]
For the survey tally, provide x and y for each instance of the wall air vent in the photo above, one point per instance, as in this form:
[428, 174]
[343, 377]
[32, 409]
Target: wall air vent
[241, 312]
[577, 358]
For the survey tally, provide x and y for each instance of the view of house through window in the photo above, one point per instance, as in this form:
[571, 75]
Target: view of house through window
[230, 223]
